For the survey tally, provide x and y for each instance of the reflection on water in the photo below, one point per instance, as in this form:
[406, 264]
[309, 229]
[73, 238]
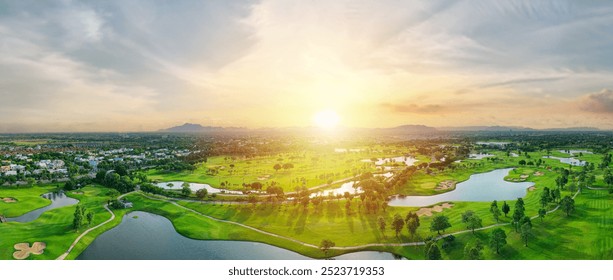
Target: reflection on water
[146, 236]
[479, 187]
[58, 200]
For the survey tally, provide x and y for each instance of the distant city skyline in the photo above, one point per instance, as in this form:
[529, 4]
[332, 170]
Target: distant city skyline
[146, 65]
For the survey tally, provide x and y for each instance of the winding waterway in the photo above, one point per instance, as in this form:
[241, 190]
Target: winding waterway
[58, 200]
[146, 236]
[479, 187]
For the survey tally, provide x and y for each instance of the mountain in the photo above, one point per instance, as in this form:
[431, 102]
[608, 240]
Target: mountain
[573, 129]
[486, 128]
[191, 127]
[410, 129]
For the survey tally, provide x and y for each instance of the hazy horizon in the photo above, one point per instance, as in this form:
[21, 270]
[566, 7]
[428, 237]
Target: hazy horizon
[136, 66]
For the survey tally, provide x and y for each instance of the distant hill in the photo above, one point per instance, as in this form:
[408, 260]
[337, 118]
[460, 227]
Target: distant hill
[397, 130]
[409, 129]
[191, 127]
[486, 128]
[573, 129]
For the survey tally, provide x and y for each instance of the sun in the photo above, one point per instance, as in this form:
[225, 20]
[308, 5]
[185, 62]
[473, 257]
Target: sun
[327, 119]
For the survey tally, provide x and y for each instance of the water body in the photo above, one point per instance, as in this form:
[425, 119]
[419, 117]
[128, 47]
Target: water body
[153, 237]
[57, 200]
[575, 152]
[499, 144]
[479, 156]
[409, 161]
[177, 185]
[348, 187]
[571, 161]
[345, 187]
[479, 187]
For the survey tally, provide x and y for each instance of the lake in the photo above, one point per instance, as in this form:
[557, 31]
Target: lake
[479, 156]
[409, 161]
[177, 185]
[488, 186]
[153, 237]
[57, 200]
[571, 161]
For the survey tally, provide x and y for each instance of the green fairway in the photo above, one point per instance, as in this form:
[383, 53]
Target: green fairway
[53, 227]
[27, 199]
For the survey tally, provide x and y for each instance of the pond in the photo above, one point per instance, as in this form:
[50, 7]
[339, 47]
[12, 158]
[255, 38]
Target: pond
[571, 161]
[345, 187]
[575, 152]
[177, 185]
[488, 186]
[409, 161]
[153, 237]
[58, 200]
[479, 156]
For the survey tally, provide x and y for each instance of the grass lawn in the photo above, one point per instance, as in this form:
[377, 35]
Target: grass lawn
[53, 227]
[28, 199]
[310, 170]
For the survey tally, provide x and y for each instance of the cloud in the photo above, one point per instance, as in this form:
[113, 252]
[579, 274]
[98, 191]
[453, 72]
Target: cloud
[600, 102]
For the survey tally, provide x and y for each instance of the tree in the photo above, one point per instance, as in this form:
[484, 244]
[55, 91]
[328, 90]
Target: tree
[277, 167]
[518, 213]
[325, 245]
[545, 197]
[79, 218]
[505, 208]
[542, 213]
[412, 221]
[253, 199]
[498, 239]
[474, 252]
[433, 252]
[381, 222]
[567, 204]
[201, 193]
[471, 220]
[439, 222]
[186, 191]
[556, 195]
[90, 217]
[398, 223]
[494, 210]
[526, 233]
[522, 162]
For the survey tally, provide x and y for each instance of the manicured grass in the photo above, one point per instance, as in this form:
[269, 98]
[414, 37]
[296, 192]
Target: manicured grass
[53, 227]
[28, 199]
[586, 234]
[308, 169]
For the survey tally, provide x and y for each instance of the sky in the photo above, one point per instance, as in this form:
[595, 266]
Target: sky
[145, 65]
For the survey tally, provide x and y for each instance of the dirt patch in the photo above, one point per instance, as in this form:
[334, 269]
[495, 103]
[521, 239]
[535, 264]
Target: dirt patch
[445, 185]
[77, 192]
[530, 189]
[24, 250]
[538, 173]
[265, 177]
[9, 200]
[437, 208]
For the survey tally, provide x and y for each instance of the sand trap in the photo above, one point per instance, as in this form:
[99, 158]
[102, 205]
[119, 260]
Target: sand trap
[445, 185]
[437, 208]
[524, 176]
[9, 200]
[531, 188]
[265, 177]
[538, 173]
[24, 250]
